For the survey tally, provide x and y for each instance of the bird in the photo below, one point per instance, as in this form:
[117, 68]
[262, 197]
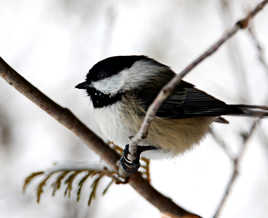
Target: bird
[121, 88]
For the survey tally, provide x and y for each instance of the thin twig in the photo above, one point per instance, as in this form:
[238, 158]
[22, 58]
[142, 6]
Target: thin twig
[259, 48]
[219, 140]
[235, 172]
[236, 161]
[235, 59]
[262, 60]
[67, 119]
[235, 54]
[168, 88]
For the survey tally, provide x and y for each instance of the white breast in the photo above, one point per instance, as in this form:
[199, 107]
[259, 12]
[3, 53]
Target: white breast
[112, 127]
[173, 136]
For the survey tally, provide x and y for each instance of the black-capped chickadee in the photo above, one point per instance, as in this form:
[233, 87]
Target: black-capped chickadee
[121, 89]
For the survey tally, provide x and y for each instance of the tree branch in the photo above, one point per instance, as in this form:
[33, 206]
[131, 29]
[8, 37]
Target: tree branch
[67, 119]
[168, 88]
[235, 54]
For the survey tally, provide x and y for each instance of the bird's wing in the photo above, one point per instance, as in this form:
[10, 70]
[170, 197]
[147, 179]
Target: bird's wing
[185, 102]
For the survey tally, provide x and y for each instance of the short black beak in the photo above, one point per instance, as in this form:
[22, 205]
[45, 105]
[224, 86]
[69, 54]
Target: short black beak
[82, 85]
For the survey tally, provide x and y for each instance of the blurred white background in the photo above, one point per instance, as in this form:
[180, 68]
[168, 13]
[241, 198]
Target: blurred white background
[54, 43]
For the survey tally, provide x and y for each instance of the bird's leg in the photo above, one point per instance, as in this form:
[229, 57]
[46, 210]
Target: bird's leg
[144, 165]
[131, 165]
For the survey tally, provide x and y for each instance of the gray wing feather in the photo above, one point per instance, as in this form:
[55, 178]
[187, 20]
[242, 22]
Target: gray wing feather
[185, 102]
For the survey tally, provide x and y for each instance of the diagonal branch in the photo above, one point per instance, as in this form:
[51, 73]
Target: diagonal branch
[235, 53]
[259, 48]
[168, 88]
[67, 119]
[236, 159]
[62, 115]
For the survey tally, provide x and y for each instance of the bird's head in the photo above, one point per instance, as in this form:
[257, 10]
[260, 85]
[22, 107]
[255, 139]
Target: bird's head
[110, 78]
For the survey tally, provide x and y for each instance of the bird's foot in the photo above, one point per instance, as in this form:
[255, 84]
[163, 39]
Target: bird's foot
[144, 168]
[130, 163]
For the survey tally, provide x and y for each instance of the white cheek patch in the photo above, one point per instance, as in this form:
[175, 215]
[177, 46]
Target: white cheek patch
[128, 78]
[110, 85]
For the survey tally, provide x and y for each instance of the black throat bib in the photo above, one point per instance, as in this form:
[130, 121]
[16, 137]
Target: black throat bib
[100, 99]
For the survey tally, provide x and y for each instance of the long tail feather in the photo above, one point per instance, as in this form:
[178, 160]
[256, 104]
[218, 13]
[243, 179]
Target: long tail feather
[250, 110]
